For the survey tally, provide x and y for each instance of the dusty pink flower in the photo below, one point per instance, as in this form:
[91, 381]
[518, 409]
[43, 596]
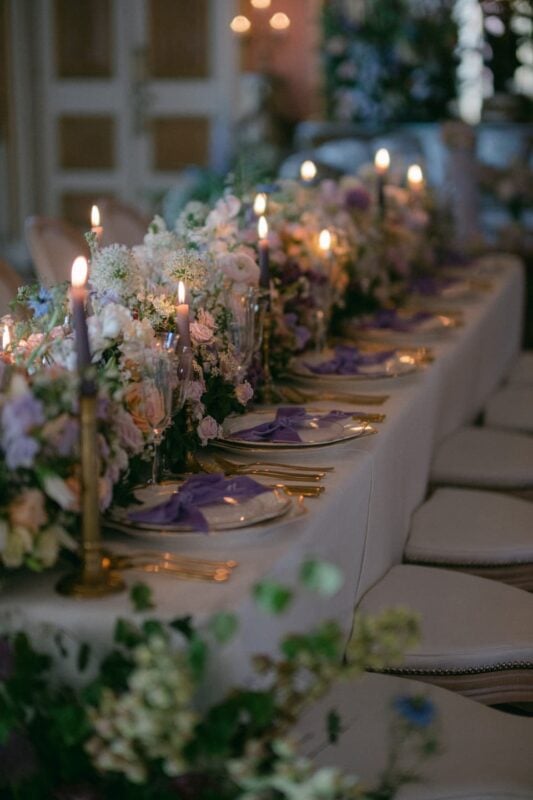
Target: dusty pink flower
[200, 334]
[244, 393]
[207, 429]
[27, 510]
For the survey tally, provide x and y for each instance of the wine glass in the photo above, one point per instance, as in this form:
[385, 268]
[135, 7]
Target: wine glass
[241, 330]
[158, 380]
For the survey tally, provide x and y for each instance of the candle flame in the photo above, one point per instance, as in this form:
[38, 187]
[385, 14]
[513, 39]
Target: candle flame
[261, 3]
[382, 160]
[415, 175]
[308, 171]
[95, 217]
[262, 228]
[260, 203]
[279, 21]
[240, 24]
[6, 337]
[324, 240]
[181, 293]
[79, 271]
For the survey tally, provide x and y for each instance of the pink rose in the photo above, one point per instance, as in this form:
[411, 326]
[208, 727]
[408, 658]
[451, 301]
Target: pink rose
[207, 429]
[27, 510]
[200, 334]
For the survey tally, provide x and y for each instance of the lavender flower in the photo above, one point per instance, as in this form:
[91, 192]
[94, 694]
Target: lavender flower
[357, 199]
[20, 452]
[21, 414]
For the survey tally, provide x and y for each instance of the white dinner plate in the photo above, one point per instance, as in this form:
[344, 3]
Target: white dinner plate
[220, 516]
[312, 435]
[397, 365]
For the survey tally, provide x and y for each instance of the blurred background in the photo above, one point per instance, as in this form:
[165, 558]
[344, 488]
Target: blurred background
[152, 102]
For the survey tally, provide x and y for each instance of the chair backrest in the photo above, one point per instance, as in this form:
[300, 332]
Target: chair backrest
[53, 245]
[9, 283]
[121, 223]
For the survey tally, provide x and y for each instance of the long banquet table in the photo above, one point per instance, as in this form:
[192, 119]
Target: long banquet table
[360, 523]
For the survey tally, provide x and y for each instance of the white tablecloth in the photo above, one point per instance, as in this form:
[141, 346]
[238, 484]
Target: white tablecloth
[360, 523]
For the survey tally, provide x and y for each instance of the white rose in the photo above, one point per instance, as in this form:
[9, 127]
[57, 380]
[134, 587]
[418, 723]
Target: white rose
[113, 318]
[57, 490]
[208, 429]
[47, 547]
[200, 334]
[239, 268]
[18, 542]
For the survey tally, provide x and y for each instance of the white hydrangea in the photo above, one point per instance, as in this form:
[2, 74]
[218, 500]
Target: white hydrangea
[115, 273]
[153, 720]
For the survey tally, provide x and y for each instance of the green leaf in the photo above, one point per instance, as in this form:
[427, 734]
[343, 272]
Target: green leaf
[321, 577]
[223, 626]
[333, 722]
[127, 633]
[152, 627]
[84, 654]
[184, 626]
[272, 597]
[197, 656]
[141, 597]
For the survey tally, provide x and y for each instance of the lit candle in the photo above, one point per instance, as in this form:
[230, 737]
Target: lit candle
[308, 171]
[324, 242]
[78, 297]
[382, 164]
[260, 204]
[415, 178]
[182, 318]
[264, 267]
[96, 228]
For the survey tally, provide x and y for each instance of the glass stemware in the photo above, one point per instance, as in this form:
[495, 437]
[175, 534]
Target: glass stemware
[158, 380]
[242, 325]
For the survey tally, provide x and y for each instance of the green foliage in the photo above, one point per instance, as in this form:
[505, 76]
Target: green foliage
[141, 597]
[272, 597]
[223, 626]
[321, 577]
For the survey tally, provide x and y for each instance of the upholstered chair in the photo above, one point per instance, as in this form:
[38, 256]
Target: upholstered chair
[476, 634]
[511, 408]
[484, 752]
[53, 245]
[485, 458]
[489, 534]
[121, 223]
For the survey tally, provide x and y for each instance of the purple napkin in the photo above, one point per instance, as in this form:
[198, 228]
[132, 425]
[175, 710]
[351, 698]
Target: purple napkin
[430, 285]
[389, 319]
[348, 361]
[200, 490]
[284, 426]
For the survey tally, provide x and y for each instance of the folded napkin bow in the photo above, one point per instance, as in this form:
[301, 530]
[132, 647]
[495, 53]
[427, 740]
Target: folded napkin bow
[284, 426]
[389, 318]
[200, 490]
[348, 361]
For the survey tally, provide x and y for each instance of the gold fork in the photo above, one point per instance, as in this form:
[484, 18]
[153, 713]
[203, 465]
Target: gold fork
[172, 558]
[299, 395]
[183, 571]
[232, 468]
[291, 491]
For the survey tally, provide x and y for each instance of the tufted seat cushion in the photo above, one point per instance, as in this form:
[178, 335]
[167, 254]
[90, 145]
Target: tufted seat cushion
[485, 533]
[511, 407]
[484, 754]
[521, 373]
[476, 634]
[483, 457]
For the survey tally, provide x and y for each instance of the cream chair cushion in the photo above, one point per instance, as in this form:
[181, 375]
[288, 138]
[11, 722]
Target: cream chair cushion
[483, 457]
[512, 408]
[521, 373]
[463, 526]
[467, 623]
[485, 753]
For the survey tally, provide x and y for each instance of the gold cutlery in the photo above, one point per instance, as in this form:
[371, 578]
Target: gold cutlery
[232, 468]
[182, 570]
[299, 395]
[164, 555]
[292, 491]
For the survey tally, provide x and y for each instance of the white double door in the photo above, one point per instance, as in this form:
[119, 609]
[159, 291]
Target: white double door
[128, 93]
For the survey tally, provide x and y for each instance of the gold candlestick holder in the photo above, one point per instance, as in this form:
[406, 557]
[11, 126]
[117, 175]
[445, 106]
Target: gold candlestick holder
[91, 580]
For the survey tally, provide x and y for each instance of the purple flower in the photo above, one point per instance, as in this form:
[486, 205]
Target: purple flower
[357, 199]
[67, 437]
[415, 709]
[6, 659]
[21, 451]
[21, 414]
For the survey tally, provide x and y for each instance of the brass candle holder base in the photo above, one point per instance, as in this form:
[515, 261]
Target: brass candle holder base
[79, 586]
